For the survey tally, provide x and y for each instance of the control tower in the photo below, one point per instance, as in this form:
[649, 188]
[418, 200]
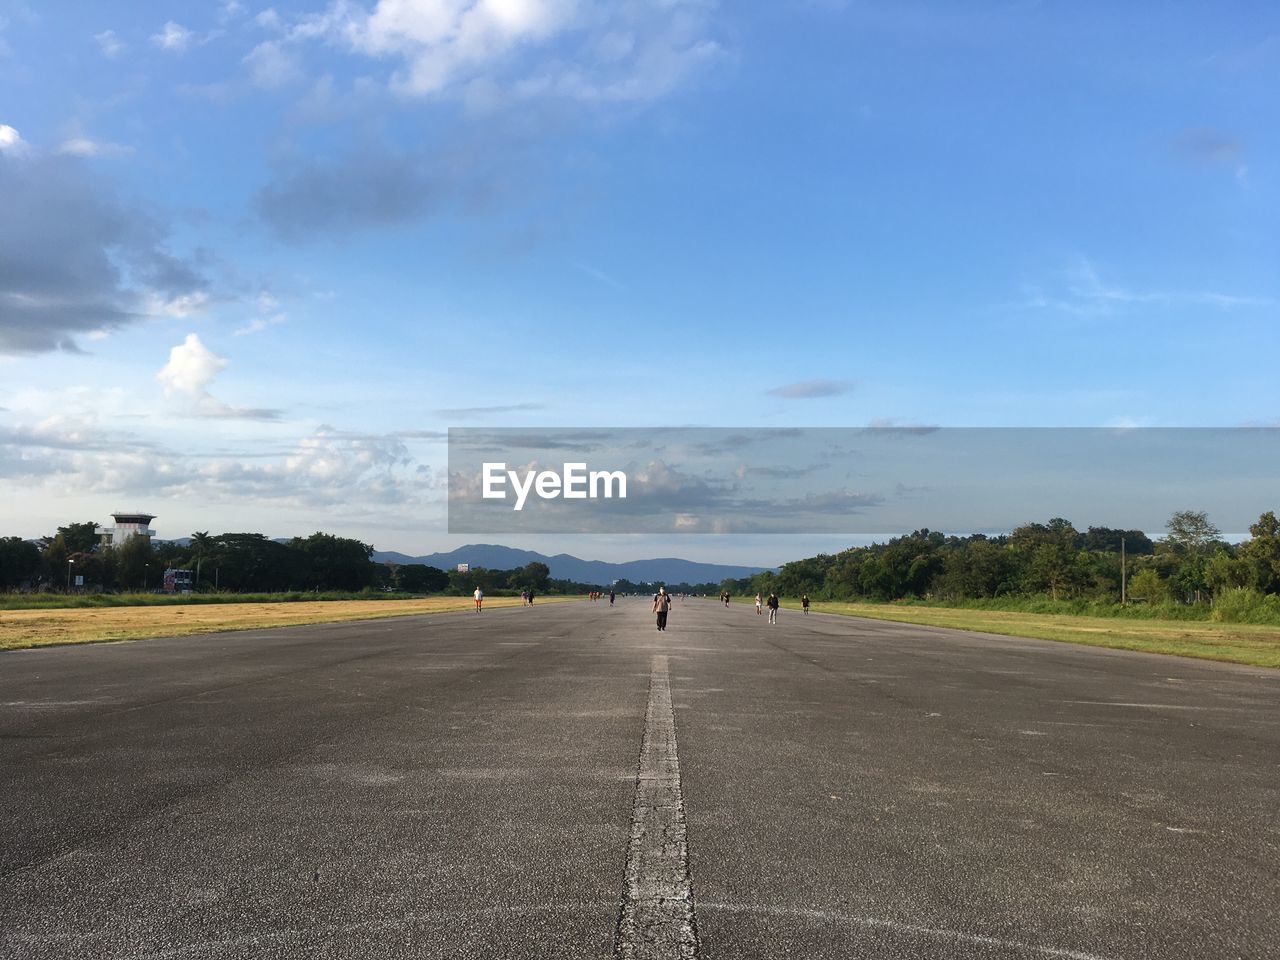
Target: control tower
[128, 524]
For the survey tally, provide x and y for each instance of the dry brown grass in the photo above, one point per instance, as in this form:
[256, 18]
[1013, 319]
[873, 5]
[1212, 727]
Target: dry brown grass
[37, 628]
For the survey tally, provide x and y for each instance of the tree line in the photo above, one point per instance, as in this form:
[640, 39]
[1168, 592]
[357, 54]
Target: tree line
[1190, 564]
[243, 563]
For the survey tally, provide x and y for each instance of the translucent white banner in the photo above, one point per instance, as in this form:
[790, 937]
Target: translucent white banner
[853, 481]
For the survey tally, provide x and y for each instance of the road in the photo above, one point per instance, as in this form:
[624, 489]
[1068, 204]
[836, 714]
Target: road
[565, 781]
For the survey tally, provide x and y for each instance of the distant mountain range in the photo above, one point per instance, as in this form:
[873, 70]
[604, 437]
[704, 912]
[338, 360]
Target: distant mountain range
[566, 567]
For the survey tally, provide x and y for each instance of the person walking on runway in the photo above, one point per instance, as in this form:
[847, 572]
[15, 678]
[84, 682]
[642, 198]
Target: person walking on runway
[759, 602]
[662, 606]
[773, 608]
[479, 595]
[804, 603]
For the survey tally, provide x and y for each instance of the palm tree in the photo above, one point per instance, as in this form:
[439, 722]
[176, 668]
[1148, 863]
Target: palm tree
[200, 544]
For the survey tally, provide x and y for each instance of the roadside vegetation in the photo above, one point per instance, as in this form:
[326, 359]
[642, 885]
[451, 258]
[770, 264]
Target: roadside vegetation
[1189, 593]
[1053, 568]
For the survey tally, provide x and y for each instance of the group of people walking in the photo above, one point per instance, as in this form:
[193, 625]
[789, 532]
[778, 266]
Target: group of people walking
[526, 599]
[662, 605]
[773, 603]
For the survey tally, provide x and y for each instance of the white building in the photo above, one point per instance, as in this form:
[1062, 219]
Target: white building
[128, 525]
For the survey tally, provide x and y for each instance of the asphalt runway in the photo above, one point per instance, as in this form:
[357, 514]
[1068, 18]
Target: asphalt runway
[565, 781]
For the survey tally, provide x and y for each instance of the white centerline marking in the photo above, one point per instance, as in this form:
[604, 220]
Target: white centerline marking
[656, 921]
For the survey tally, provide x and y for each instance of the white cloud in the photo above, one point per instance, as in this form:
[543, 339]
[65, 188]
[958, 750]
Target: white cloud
[1086, 293]
[173, 36]
[109, 43]
[66, 456]
[179, 306]
[191, 368]
[628, 51]
[87, 147]
[258, 324]
[10, 140]
[272, 65]
[268, 19]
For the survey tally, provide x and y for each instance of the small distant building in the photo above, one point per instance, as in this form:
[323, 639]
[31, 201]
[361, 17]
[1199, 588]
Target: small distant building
[464, 568]
[127, 525]
[178, 581]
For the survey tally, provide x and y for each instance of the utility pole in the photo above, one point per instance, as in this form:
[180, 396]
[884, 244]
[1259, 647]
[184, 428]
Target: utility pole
[69, 563]
[1124, 599]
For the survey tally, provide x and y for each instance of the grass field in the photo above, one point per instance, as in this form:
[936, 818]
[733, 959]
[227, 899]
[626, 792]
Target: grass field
[1257, 646]
[21, 629]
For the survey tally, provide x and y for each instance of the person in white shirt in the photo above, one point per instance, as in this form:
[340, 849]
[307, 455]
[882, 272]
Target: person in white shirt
[479, 595]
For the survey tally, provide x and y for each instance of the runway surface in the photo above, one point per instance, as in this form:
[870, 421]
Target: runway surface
[565, 781]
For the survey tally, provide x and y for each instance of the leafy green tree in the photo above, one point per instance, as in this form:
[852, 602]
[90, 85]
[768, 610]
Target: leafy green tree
[978, 567]
[335, 563]
[1225, 570]
[1055, 567]
[490, 581]
[136, 567]
[109, 564]
[79, 537]
[1189, 538]
[90, 567]
[803, 576]
[1191, 533]
[533, 576]
[420, 578]
[1107, 540]
[202, 548]
[1147, 585]
[171, 554]
[383, 577]
[252, 562]
[19, 563]
[1262, 553]
[876, 580]
[1047, 556]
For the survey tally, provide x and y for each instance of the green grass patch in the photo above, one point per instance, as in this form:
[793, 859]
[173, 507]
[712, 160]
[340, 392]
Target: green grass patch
[1140, 628]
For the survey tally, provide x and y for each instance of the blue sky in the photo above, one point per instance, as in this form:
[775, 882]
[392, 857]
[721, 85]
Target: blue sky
[254, 259]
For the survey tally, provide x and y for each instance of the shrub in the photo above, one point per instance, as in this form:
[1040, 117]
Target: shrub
[1245, 605]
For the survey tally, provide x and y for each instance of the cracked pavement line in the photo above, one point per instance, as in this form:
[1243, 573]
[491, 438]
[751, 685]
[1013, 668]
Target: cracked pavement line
[656, 921]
